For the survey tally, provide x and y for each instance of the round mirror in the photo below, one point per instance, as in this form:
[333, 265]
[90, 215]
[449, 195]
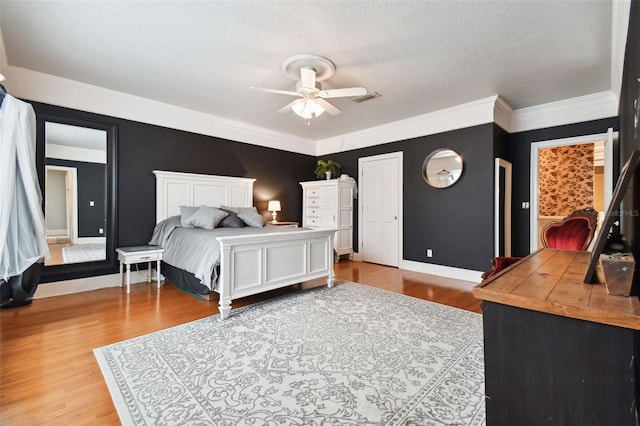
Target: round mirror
[442, 168]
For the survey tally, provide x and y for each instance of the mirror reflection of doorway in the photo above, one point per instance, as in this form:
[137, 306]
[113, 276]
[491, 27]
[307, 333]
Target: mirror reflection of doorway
[60, 217]
[59, 205]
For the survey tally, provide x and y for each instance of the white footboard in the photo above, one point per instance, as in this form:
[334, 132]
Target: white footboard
[251, 264]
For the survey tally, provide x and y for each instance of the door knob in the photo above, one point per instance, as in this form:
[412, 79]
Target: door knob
[395, 217]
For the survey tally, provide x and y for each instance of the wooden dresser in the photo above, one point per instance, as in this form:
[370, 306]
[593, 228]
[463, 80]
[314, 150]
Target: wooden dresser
[558, 351]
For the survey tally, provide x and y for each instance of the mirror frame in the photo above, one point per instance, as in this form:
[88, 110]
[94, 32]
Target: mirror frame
[53, 273]
[430, 157]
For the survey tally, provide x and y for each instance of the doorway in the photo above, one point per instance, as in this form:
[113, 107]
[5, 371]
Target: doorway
[61, 214]
[380, 201]
[567, 174]
[60, 201]
[502, 207]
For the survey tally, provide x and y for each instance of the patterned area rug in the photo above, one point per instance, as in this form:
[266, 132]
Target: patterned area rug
[348, 355]
[83, 253]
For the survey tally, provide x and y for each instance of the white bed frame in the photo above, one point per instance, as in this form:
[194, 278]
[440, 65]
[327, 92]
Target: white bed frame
[249, 264]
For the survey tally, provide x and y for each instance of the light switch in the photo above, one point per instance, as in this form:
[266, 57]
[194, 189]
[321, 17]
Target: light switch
[92, 203]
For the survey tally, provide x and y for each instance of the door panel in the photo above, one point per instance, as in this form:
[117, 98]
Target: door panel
[381, 206]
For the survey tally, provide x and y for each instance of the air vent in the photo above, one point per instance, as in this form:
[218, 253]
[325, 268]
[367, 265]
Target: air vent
[367, 97]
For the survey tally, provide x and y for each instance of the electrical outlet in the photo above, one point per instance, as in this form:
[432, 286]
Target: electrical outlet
[429, 253]
[92, 203]
[100, 231]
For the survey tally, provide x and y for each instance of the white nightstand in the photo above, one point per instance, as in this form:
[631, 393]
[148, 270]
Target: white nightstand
[287, 224]
[139, 254]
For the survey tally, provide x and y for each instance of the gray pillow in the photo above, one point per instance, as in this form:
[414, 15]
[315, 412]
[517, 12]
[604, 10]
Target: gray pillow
[233, 209]
[240, 209]
[252, 218]
[232, 220]
[185, 213]
[206, 218]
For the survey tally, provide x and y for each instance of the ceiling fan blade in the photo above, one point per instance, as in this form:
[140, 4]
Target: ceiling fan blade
[280, 92]
[287, 107]
[339, 93]
[308, 77]
[327, 106]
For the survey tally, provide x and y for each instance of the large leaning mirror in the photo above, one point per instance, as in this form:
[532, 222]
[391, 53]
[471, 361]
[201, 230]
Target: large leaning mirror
[78, 197]
[442, 168]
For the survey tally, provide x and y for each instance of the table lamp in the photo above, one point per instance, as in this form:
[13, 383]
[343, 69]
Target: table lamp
[274, 206]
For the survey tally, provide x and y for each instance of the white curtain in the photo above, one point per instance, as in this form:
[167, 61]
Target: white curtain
[22, 229]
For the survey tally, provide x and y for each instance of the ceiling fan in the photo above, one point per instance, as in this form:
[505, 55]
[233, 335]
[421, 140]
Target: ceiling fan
[309, 71]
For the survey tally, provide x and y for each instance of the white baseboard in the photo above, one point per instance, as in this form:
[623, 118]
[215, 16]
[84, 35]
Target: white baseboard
[429, 268]
[91, 240]
[79, 285]
[443, 271]
[356, 257]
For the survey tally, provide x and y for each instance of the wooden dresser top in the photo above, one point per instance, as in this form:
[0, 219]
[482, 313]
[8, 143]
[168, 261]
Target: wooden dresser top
[551, 281]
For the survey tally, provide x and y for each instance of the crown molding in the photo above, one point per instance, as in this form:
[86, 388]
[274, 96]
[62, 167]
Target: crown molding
[575, 110]
[63, 92]
[466, 115]
[620, 11]
[502, 113]
[492, 109]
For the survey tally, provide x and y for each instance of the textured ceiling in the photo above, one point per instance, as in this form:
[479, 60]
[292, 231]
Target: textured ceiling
[421, 56]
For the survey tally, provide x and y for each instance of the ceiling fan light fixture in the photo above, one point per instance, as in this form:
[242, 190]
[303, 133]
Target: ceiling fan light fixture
[307, 108]
[309, 70]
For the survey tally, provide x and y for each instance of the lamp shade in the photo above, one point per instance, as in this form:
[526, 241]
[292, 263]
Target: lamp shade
[274, 206]
[307, 108]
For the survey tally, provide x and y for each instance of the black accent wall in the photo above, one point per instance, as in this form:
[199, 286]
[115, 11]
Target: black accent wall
[92, 185]
[456, 222]
[518, 152]
[143, 148]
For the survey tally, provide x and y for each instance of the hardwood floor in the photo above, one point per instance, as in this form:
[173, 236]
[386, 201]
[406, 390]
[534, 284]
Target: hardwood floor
[55, 253]
[49, 375]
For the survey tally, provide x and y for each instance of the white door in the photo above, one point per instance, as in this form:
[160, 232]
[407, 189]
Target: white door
[380, 199]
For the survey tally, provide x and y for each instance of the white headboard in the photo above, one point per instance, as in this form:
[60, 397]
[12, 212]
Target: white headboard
[175, 189]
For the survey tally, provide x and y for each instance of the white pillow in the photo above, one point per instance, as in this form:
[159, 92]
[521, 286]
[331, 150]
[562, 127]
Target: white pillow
[206, 218]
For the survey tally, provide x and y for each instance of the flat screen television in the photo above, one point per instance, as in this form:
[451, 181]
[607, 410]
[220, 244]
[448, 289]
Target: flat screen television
[613, 213]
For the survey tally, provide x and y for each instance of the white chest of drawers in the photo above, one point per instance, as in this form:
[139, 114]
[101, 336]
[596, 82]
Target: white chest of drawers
[329, 204]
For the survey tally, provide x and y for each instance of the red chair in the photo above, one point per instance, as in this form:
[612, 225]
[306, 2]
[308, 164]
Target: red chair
[574, 232]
